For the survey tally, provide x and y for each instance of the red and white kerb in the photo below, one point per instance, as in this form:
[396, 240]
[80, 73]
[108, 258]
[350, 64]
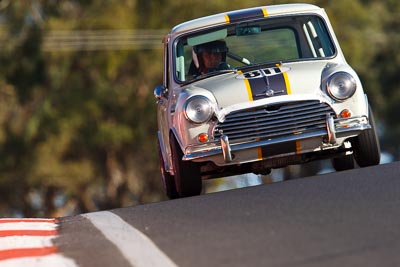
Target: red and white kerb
[29, 242]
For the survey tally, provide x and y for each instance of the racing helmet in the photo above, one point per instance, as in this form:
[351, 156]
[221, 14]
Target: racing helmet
[218, 46]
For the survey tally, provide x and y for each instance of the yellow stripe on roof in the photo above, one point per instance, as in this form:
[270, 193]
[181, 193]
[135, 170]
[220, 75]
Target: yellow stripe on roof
[227, 19]
[265, 12]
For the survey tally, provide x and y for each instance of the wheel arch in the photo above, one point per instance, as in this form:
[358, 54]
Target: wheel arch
[166, 149]
[165, 153]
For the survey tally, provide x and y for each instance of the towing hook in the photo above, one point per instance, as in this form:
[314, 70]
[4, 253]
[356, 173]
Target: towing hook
[330, 126]
[226, 148]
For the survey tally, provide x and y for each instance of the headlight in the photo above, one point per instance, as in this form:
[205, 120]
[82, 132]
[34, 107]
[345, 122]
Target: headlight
[341, 86]
[198, 109]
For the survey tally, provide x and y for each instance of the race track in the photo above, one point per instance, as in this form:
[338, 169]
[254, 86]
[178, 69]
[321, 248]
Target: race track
[349, 218]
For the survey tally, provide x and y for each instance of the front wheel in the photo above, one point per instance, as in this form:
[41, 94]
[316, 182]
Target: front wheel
[366, 147]
[187, 174]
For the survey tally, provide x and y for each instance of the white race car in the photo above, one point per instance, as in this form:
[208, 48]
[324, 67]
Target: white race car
[256, 89]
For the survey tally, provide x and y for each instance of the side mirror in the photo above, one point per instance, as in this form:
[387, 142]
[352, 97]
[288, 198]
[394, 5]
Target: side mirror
[159, 92]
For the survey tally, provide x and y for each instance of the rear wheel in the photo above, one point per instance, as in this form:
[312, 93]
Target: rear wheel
[187, 174]
[167, 179]
[366, 147]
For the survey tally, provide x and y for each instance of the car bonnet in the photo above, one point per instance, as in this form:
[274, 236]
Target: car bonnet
[300, 78]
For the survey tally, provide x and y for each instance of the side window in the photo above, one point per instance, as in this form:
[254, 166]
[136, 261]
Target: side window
[180, 67]
[183, 60]
[318, 39]
[324, 40]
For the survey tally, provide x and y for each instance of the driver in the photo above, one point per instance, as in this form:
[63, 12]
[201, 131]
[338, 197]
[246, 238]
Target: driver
[209, 57]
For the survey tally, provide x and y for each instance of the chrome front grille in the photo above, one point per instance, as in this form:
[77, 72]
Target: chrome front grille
[275, 121]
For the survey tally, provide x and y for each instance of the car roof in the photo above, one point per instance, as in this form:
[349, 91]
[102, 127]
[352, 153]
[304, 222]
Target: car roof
[245, 15]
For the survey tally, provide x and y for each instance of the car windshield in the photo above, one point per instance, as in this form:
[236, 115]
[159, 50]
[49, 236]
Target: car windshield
[237, 46]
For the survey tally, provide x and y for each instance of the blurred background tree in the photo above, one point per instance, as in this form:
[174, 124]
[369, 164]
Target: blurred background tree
[77, 113]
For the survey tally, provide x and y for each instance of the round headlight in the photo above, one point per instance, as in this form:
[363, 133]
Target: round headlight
[341, 86]
[198, 109]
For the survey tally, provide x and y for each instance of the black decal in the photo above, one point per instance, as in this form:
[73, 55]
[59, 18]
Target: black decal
[240, 15]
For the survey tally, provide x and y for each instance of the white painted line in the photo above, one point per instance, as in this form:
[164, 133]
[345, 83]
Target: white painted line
[136, 247]
[28, 225]
[45, 261]
[15, 242]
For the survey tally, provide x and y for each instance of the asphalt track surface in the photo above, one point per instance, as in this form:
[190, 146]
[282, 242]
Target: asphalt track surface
[349, 218]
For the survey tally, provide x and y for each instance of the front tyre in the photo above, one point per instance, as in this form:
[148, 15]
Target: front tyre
[366, 147]
[187, 174]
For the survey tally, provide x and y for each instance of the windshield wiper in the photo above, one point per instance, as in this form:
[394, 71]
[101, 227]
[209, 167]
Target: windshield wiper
[215, 73]
[210, 74]
[238, 58]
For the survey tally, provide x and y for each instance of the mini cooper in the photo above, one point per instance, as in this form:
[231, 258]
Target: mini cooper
[255, 89]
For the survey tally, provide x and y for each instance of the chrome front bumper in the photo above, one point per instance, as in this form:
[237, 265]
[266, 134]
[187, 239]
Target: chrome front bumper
[335, 129]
